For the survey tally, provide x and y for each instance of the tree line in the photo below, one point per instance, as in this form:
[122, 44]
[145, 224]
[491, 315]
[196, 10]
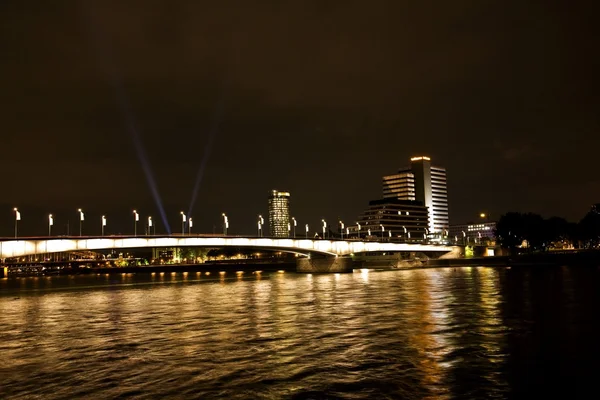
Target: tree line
[536, 233]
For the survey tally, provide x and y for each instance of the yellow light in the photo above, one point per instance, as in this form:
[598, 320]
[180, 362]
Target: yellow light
[281, 271]
[420, 158]
[482, 215]
[207, 273]
[222, 273]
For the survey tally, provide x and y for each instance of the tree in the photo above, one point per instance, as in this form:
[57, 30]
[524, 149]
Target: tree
[513, 228]
[589, 229]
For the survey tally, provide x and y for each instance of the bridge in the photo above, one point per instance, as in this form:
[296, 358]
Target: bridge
[20, 247]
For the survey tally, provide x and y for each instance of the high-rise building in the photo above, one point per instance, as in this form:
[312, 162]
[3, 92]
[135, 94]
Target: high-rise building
[422, 182]
[279, 214]
[392, 218]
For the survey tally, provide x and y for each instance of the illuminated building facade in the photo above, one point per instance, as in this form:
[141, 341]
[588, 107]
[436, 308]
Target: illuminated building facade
[475, 232]
[422, 182]
[279, 214]
[405, 219]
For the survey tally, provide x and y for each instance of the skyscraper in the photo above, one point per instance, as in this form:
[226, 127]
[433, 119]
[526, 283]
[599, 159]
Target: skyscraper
[423, 182]
[279, 214]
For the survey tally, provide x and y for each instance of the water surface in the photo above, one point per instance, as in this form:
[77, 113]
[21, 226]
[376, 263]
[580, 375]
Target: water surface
[434, 333]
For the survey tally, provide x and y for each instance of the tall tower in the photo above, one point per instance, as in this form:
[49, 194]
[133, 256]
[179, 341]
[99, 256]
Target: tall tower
[279, 214]
[423, 182]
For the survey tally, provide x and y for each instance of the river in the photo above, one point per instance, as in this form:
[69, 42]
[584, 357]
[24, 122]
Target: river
[431, 333]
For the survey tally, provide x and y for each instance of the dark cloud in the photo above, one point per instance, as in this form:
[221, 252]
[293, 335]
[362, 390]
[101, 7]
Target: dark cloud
[320, 98]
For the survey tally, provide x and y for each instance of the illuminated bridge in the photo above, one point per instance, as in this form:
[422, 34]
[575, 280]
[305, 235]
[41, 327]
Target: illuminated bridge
[30, 246]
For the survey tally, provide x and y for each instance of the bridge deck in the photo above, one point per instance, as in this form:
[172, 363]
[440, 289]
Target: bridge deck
[28, 246]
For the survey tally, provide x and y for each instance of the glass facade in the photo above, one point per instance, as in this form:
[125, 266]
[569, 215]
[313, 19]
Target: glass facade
[279, 214]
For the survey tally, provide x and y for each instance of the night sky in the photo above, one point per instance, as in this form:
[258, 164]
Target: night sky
[319, 98]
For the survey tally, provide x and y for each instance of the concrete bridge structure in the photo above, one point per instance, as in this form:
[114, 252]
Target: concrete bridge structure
[330, 255]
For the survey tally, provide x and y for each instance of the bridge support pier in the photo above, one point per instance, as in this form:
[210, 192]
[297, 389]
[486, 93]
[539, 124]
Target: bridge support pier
[315, 265]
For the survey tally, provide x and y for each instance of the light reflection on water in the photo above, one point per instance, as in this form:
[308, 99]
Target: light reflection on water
[435, 333]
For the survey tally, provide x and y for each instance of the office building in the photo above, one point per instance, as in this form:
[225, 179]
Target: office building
[425, 183]
[392, 218]
[473, 232]
[279, 214]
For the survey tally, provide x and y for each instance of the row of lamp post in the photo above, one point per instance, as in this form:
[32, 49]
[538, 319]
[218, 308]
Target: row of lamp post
[184, 219]
[136, 218]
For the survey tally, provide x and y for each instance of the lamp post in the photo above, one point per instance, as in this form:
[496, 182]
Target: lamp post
[403, 227]
[358, 229]
[261, 222]
[136, 218]
[369, 232]
[17, 219]
[347, 233]
[342, 229]
[225, 224]
[81, 218]
[50, 223]
[306, 231]
[295, 223]
[183, 219]
[289, 229]
[324, 227]
[464, 237]
[190, 224]
[149, 225]
[103, 224]
[390, 234]
[382, 230]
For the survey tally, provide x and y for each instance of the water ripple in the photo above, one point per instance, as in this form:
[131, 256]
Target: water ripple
[447, 333]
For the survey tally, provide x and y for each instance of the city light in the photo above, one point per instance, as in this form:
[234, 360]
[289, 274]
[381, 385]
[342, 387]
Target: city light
[50, 223]
[17, 218]
[294, 220]
[136, 218]
[183, 219]
[103, 224]
[225, 224]
[81, 218]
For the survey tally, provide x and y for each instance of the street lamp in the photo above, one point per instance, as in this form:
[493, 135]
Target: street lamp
[390, 234]
[307, 231]
[190, 224]
[369, 232]
[324, 227]
[149, 225]
[225, 224]
[358, 227]
[103, 224]
[136, 218]
[183, 219]
[50, 223]
[403, 227]
[464, 237]
[289, 229]
[382, 230]
[261, 222]
[17, 218]
[81, 218]
[347, 233]
[342, 229]
[295, 223]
